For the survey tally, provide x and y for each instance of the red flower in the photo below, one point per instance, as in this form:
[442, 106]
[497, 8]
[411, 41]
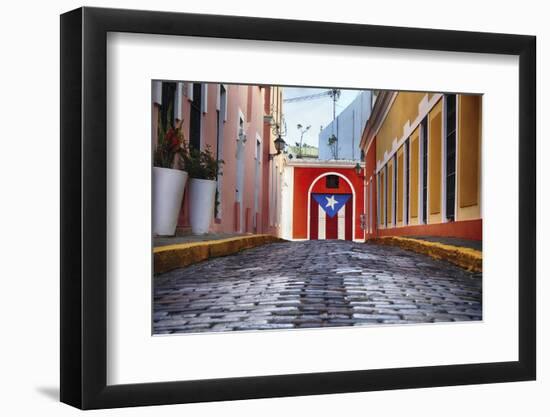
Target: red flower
[174, 144]
[170, 134]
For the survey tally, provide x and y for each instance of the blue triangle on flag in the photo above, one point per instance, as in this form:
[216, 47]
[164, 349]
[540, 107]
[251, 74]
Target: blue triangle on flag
[331, 203]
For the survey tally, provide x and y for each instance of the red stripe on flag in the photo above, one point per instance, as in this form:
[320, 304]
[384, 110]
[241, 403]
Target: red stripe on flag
[349, 214]
[314, 220]
[332, 227]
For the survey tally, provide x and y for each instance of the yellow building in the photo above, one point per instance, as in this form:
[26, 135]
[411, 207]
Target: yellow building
[428, 163]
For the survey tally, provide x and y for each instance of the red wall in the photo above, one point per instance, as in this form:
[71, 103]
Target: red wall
[466, 229]
[304, 177]
[370, 179]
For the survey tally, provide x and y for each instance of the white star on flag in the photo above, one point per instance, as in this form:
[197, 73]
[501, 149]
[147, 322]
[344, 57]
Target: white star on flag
[331, 202]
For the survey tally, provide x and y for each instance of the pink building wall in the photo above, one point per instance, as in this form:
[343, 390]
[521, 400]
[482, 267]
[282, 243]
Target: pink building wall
[248, 102]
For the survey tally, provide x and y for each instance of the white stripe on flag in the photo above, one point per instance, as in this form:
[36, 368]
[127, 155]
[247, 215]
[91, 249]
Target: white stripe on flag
[342, 223]
[322, 224]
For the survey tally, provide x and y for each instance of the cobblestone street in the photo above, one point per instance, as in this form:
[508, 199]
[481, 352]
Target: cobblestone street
[313, 284]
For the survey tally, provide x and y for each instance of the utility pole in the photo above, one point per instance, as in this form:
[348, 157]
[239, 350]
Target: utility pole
[302, 131]
[335, 94]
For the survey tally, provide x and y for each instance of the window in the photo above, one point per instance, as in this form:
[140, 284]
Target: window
[332, 181]
[371, 208]
[219, 124]
[381, 195]
[278, 200]
[386, 196]
[257, 179]
[424, 134]
[378, 205]
[167, 106]
[240, 161]
[390, 191]
[195, 117]
[414, 176]
[450, 156]
[436, 156]
[394, 191]
[407, 179]
[468, 153]
[273, 192]
[220, 114]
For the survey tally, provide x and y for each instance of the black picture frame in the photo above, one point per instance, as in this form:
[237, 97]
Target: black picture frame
[84, 207]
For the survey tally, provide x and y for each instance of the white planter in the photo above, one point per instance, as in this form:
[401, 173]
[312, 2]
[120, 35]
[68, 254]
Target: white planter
[202, 195]
[168, 187]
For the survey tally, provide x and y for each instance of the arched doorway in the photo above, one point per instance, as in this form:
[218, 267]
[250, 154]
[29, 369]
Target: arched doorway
[331, 208]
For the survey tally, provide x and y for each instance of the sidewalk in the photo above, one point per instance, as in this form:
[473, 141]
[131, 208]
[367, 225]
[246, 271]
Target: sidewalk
[462, 252]
[453, 241]
[180, 251]
[174, 240]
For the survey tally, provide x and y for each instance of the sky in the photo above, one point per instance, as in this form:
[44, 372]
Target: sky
[316, 112]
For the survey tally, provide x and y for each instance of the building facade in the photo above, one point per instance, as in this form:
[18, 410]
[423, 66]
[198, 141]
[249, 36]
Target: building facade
[236, 122]
[370, 190]
[423, 165]
[322, 200]
[273, 119]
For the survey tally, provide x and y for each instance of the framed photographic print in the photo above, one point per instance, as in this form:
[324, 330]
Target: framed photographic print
[256, 208]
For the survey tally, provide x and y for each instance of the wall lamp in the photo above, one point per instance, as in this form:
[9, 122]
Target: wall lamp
[279, 146]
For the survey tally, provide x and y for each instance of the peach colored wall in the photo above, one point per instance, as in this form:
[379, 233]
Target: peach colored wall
[267, 139]
[251, 101]
[271, 198]
[240, 99]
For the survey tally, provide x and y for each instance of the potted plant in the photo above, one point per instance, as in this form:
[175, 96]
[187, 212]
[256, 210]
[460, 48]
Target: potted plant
[169, 179]
[203, 169]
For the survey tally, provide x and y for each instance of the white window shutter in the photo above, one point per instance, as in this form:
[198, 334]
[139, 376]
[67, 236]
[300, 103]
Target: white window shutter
[218, 98]
[157, 92]
[258, 149]
[204, 101]
[178, 107]
[190, 91]
[226, 87]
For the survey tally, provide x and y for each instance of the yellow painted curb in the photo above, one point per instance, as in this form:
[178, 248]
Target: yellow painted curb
[467, 258]
[169, 257]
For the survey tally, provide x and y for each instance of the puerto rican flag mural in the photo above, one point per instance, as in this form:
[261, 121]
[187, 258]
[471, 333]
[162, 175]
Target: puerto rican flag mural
[331, 216]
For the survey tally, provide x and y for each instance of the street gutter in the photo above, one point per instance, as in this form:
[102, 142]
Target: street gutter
[467, 258]
[169, 257]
